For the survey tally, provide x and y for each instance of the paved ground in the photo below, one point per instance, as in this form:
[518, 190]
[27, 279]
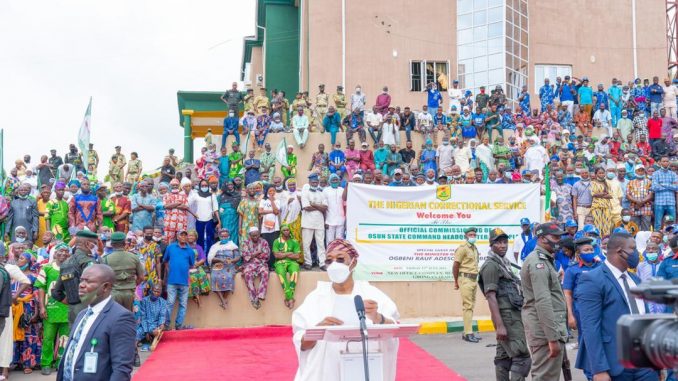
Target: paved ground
[472, 361]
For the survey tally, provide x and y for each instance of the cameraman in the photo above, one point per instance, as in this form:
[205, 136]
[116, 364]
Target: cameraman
[602, 298]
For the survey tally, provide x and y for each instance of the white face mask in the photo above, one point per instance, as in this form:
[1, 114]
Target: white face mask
[626, 218]
[338, 272]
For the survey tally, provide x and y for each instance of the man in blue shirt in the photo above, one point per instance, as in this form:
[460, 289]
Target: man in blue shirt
[587, 262]
[180, 258]
[546, 95]
[615, 94]
[656, 95]
[434, 100]
[337, 161]
[601, 97]
[230, 127]
[664, 186]
[566, 94]
[668, 269]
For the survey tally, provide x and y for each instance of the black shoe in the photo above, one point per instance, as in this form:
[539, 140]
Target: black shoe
[323, 268]
[137, 360]
[306, 267]
[470, 338]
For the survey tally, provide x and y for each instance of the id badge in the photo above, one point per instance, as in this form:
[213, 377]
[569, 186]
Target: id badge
[90, 365]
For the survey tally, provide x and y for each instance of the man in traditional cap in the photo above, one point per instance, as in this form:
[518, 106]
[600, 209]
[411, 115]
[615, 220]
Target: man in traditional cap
[465, 272]
[314, 206]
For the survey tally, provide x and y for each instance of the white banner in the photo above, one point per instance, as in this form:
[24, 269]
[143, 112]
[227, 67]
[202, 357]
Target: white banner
[411, 233]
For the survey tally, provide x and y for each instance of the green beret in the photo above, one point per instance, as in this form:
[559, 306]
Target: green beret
[470, 229]
[118, 237]
[86, 234]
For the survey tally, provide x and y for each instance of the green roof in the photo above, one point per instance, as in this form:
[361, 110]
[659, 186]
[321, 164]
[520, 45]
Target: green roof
[199, 101]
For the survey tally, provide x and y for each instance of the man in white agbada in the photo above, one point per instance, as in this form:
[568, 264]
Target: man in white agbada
[7, 333]
[320, 360]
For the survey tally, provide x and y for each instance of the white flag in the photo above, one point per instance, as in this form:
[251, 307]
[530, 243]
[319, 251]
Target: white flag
[281, 152]
[85, 133]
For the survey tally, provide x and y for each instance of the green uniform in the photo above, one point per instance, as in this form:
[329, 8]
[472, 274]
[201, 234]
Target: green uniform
[467, 257]
[108, 206]
[286, 265]
[57, 214]
[55, 325]
[512, 355]
[544, 313]
[127, 267]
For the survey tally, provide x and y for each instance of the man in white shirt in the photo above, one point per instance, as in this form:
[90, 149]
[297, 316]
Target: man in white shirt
[669, 98]
[335, 218]
[462, 156]
[313, 208]
[444, 155]
[300, 127]
[456, 94]
[535, 156]
[358, 101]
[603, 119]
[374, 120]
[425, 121]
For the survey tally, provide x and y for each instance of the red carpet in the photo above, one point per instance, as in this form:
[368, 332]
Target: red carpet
[263, 353]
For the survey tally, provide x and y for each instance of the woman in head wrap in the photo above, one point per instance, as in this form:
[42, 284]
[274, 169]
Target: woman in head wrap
[228, 202]
[223, 258]
[332, 304]
[26, 319]
[198, 281]
[176, 211]
[290, 211]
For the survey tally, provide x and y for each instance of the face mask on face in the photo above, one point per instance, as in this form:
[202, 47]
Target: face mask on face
[610, 175]
[445, 142]
[204, 189]
[626, 218]
[633, 259]
[640, 177]
[89, 297]
[471, 240]
[20, 239]
[587, 257]
[651, 256]
[224, 241]
[338, 272]
[157, 239]
[334, 185]
[154, 298]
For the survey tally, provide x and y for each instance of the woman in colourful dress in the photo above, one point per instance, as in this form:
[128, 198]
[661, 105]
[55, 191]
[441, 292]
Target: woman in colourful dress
[228, 209]
[223, 258]
[176, 211]
[601, 204]
[199, 283]
[352, 159]
[27, 326]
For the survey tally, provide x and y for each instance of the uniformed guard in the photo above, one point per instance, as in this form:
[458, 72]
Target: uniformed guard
[92, 157]
[544, 311]
[586, 261]
[66, 287]
[501, 288]
[248, 101]
[260, 101]
[322, 101]
[339, 100]
[128, 271]
[465, 271]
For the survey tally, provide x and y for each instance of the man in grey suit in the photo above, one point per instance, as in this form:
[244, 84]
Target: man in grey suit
[101, 345]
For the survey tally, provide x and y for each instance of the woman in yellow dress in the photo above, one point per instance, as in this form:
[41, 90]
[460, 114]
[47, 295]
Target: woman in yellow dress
[601, 206]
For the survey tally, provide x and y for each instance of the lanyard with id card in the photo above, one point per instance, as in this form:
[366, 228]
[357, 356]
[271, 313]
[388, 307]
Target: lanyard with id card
[91, 359]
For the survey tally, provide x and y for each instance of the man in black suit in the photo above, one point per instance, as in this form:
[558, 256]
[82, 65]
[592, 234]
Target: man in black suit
[101, 344]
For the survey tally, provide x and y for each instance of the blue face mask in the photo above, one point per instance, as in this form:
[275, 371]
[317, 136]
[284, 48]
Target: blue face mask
[587, 257]
[334, 185]
[204, 189]
[224, 241]
[633, 259]
[651, 256]
[154, 298]
[610, 175]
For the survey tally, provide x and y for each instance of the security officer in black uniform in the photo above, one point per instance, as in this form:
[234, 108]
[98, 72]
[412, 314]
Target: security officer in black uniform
[66, 287]
[502, 290]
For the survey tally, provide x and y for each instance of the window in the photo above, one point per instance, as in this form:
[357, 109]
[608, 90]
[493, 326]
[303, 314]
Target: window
[542, 72]
[424, 72]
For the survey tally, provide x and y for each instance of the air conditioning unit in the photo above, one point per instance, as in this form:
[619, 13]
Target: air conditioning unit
[260, 80]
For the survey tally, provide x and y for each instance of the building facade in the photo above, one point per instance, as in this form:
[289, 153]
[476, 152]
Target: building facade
[406, 44]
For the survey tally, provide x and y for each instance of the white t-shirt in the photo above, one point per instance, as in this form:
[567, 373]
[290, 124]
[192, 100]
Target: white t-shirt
[444, 154]
[313, 219]
[374, 120]
[204, 207]
[335, 206]
[269, 222]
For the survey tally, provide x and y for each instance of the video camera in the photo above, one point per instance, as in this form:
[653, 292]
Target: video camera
[650, 340]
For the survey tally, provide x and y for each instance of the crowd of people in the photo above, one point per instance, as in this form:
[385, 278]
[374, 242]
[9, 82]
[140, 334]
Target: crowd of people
[193, 226]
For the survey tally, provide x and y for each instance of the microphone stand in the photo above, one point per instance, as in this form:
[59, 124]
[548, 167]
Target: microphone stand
[363, 339]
